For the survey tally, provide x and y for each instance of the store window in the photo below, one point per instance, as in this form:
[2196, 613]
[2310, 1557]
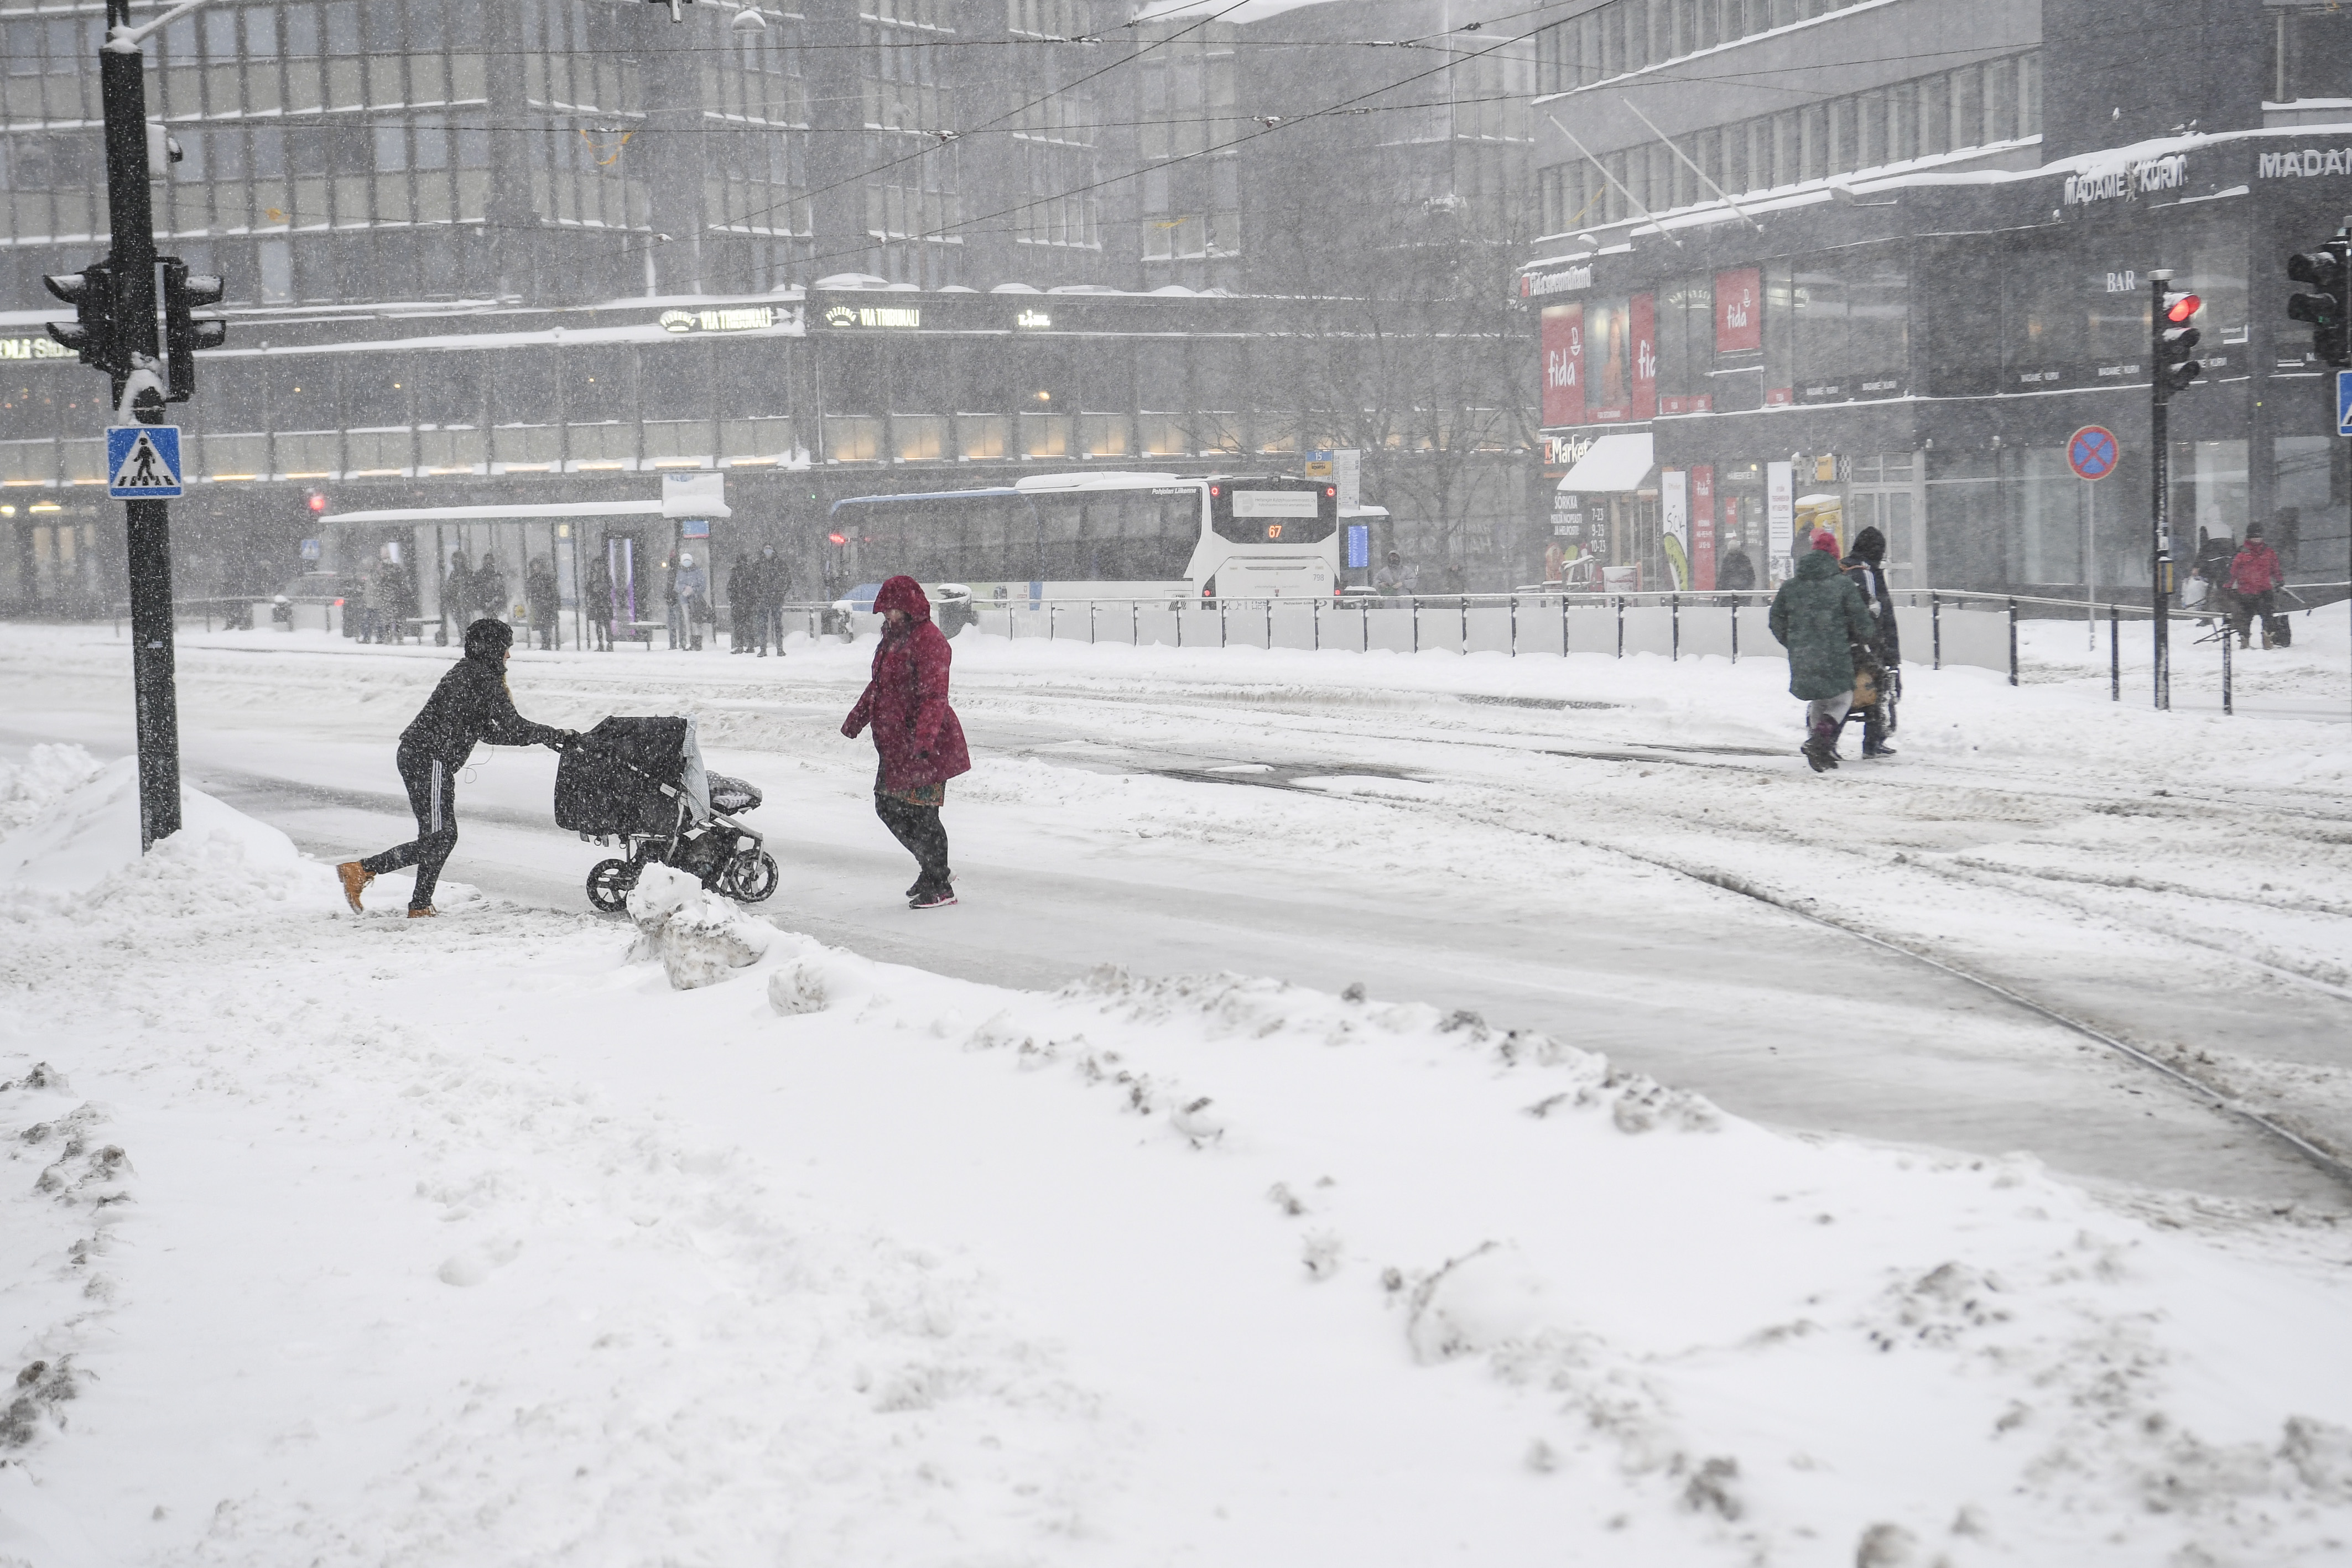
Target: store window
[2310, 520]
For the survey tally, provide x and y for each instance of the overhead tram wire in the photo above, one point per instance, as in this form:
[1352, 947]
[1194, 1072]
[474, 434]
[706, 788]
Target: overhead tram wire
[944, 140]
[1345, 107]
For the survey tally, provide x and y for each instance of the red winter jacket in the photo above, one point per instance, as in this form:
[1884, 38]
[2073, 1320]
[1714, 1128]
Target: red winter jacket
[906, 700]
[2255, 569]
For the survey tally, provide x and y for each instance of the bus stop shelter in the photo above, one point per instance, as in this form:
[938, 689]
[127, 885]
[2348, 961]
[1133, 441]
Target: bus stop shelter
[514, 534]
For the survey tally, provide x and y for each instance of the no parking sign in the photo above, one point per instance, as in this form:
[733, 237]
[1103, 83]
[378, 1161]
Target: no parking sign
[2092, 452]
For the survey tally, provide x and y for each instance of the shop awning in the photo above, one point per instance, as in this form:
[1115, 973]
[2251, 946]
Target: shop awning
[1615, 464]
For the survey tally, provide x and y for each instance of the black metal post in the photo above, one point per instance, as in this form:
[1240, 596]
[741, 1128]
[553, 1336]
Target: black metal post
[2160, 510]
[2012, 642]
[123, 87]
[2115, 655]
[2227, 705]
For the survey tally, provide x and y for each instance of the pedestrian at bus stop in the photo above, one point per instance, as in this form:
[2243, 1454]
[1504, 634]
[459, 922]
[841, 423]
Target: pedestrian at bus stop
[456, 599]
[2255, 577]
[470, 704]
[742, 602]
[916, 732]
[775, 587]
[542, 591]
[1820, 616]
[599, 596]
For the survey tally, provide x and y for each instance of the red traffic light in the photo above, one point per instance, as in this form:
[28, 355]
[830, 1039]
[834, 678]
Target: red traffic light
[1330, 489]
[317, 501]
[2182, 309]
[837, 538]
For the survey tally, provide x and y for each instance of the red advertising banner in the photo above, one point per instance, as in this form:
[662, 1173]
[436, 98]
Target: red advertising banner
[1620, 359]
[1563, 365]
[1646, 355]
[1702, 527]
[1739, 310]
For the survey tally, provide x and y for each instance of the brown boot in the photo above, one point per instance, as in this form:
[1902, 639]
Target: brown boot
[427, 913]
[355, 878]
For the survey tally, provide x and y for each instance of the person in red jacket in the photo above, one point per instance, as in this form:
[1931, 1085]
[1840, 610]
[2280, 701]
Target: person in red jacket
[916, 733]
[2256, 577]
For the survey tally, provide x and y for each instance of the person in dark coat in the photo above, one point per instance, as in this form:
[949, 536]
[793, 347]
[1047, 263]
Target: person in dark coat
[1819, 616]
[470, 704]
[457, 600]
[1734, 573]
[742, 604]
[541, 593]
[490, 589]
[916, 732]
[1866, 567]
[775, 587]
[599, 595]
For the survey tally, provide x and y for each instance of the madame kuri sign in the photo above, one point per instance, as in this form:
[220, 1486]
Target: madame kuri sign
[2125, 182]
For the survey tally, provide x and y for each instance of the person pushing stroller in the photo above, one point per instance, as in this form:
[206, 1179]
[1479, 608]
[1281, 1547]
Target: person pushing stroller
[470, 704]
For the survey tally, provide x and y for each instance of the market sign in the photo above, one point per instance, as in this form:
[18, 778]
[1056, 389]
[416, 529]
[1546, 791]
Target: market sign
[745, 319]
[2140, 177]
[34, 349]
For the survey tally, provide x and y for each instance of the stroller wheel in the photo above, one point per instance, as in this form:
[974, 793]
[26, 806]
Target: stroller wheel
[609, 882]
[749, 879]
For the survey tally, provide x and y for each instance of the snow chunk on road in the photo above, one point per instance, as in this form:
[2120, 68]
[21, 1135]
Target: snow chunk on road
[700, 937]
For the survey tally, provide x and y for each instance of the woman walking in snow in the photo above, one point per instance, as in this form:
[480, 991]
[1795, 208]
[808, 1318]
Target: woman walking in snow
[1819, 615]
[916, 732]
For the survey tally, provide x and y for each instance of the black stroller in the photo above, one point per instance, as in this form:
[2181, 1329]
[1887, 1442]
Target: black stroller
[642, 780]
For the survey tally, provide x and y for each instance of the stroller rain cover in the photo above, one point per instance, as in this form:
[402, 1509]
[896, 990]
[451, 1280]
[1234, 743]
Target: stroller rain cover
[602, 787]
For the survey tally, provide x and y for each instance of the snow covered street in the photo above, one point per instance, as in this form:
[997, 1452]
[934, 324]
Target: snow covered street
[1366, 1109]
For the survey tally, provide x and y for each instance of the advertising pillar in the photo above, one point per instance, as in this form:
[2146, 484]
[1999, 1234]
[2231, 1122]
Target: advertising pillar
[1780, 515]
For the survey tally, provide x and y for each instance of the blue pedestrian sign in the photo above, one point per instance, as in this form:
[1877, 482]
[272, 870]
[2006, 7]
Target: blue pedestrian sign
[2343, 403]
[142, 462]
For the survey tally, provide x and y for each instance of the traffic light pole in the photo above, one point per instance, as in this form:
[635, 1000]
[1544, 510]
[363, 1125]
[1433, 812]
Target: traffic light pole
[2160, 510]
[122, 83]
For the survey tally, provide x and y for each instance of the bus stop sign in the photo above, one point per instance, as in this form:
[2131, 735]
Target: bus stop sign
[2092, 452]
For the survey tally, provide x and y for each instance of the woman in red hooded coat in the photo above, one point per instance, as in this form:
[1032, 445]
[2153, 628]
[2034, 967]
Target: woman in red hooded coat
[920, 742]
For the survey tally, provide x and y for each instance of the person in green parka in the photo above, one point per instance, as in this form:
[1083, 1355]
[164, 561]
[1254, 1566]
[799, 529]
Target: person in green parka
[1819, 615]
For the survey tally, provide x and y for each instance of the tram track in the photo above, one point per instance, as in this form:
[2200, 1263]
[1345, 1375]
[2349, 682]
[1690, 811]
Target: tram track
[2316, 1148]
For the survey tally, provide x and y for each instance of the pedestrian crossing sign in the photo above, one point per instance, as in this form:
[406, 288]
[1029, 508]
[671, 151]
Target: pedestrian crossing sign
[142, 462]
[2343, 403]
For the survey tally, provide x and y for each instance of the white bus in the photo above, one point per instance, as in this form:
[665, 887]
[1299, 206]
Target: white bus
[1099, 535]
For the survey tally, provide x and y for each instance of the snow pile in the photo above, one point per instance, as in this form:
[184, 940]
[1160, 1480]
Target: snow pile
[79, 853]
[26, 787]
[700, 937]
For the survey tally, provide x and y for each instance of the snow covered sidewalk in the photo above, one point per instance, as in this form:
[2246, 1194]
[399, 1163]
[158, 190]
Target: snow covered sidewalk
[334, 1239]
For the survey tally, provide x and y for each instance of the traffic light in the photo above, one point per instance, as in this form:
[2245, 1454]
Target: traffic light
[2323, 305]
[183, 331]
[95, 334]
[2175, 340]
[316, 501]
